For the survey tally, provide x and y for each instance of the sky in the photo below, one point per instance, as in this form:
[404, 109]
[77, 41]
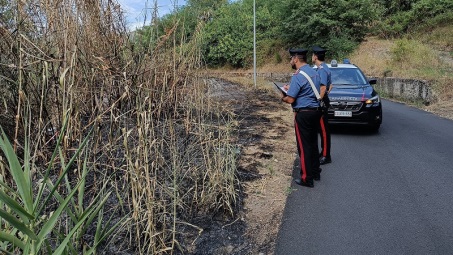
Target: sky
[135, 10]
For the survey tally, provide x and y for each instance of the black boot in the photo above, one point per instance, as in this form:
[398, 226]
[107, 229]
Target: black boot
[305, 184]
[325, 160]
[317, 175]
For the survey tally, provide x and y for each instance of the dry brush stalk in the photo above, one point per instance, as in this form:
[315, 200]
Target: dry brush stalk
[164, 145]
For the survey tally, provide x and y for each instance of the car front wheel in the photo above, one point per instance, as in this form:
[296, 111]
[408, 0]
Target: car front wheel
[375, 127]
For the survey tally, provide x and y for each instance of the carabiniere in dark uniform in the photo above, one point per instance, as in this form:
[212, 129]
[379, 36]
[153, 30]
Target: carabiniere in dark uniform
[307, 113]
[324, 72]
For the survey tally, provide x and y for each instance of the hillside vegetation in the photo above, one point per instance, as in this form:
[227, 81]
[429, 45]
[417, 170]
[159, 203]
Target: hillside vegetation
[425, 55]
[340, 26]
[406, 39]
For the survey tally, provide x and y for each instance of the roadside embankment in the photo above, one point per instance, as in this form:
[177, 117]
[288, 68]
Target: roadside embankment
[411, 90]
[406, 89]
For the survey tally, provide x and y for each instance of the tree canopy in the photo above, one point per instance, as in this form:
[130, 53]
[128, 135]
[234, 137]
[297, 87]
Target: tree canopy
[338, 25]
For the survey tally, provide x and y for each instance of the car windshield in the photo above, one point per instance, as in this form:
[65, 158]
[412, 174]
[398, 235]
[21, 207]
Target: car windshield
[347, 76]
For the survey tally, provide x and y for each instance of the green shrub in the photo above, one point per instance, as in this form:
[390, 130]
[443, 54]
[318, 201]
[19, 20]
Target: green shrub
[402, 50]
[277, 58]
[26, 224]
[395, 25]
[412, 58]
[423, 14]
[340, 47]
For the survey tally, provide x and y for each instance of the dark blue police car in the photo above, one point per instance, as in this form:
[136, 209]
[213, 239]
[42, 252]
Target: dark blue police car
[352, 98]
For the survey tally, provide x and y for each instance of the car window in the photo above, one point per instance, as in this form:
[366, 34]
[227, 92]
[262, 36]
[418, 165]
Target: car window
[347, 76]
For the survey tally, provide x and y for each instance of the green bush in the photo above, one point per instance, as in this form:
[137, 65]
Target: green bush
[340, 47]
[402, 50]
[322, 22]
[423, 14]
[27, 224]
[431, 8]
[394, 26]
[277, 58]
[416, 59]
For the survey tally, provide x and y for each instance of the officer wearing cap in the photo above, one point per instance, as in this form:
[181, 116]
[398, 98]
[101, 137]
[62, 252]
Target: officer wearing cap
[326, 82]
[306, 114]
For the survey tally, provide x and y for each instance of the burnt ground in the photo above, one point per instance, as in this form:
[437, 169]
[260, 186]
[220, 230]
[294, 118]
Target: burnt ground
[264, 169]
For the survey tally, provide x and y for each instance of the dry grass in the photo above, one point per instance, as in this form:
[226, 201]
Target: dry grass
[373, 56]
[159, 142]
[398, 58]
[283, 67]
[441, 37]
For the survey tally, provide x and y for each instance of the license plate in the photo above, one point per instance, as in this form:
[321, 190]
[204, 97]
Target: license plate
[343, 114]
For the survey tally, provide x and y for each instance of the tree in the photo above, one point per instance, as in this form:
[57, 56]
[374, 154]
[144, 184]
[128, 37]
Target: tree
[396, 6]
[402, 17]
[228, 37]
[206, 5]
[338, 24]
[187, 19]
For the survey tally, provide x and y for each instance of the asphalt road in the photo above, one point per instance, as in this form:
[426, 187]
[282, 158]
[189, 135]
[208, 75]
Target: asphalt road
[389, 192]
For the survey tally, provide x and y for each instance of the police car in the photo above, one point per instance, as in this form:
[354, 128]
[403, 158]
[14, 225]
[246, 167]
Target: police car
[352, 98]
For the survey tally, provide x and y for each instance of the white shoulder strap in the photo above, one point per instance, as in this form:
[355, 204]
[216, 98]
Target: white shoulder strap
[311, 83]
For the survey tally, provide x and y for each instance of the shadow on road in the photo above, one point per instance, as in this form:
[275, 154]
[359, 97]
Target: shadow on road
[357, 130]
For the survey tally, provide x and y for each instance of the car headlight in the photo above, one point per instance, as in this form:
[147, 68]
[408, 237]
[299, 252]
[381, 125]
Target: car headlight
[374, 101]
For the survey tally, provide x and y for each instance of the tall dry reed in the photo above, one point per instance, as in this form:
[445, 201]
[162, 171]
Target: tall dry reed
[158, 140]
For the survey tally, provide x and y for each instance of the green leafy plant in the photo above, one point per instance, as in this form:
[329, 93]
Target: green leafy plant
[402, 50]
[28, 225]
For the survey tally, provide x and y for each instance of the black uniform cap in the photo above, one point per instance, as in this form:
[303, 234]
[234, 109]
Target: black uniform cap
[298, 52]
[318, 50]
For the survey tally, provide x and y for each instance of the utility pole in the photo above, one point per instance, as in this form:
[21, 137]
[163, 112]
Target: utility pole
[254, 43]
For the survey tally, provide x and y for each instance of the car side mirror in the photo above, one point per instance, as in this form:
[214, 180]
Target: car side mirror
[372, 81]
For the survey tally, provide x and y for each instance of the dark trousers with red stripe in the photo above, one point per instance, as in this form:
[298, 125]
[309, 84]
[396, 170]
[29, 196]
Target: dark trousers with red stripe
[306, 128]
[324, 132]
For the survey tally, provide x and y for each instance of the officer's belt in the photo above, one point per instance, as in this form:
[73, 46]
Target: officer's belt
[307, 109]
